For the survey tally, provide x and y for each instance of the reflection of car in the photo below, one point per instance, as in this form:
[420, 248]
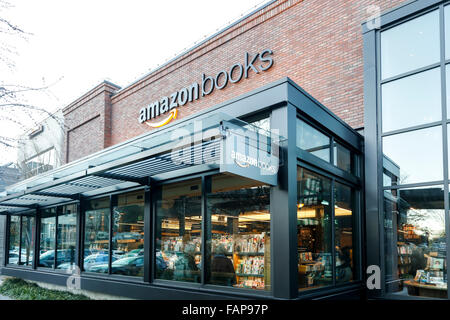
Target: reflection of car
[47, 259]
[135, 252]
[131, 266]
[96, 259]
[102, 235]
[127, 236]
[13, 257]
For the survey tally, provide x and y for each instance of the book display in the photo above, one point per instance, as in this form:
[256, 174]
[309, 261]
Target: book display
[404, 259]
[247, 253]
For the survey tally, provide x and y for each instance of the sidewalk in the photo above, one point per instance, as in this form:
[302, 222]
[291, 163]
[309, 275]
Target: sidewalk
[3, 297]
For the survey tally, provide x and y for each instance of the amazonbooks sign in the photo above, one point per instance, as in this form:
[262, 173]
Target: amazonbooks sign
[167, 106]
[249, 153]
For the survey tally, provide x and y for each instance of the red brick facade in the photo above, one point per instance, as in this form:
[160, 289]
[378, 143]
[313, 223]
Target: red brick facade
[316, 43]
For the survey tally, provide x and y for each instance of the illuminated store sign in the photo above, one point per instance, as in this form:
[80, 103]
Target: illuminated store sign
[257, 63]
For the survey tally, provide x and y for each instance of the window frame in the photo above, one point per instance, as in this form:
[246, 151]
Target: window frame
[373, 130]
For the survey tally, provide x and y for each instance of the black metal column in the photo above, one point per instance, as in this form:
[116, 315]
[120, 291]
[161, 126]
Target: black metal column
[373, 161]
[283, 199]
[147, 234]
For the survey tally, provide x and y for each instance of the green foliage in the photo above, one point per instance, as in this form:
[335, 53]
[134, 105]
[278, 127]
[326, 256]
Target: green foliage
[21, 290]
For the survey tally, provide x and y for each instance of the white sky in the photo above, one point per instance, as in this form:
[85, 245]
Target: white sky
[75, 45]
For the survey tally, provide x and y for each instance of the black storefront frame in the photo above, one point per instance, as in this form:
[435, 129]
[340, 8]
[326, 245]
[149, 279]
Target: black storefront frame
[283, 100]
[334, 174]
[374, 134]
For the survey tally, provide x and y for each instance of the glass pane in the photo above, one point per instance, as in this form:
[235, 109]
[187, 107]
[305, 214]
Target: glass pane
[314, 230]
[47, 238]
[415, 244]
[240, 239]
[447, 32]
[343, 158]
[416, 155]
[412, 101]
[128, 235]
[14, 240]
[27, 241]
[67, 237]
[411, 45]
[179, 231]
[96, 240]
[312, 140]
[447, 76]
[344, 237]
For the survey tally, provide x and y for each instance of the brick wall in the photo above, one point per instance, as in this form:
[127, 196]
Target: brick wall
[88, 122]
[317, 43]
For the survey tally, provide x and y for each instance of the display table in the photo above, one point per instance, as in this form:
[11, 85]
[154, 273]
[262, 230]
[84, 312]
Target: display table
[425, 290]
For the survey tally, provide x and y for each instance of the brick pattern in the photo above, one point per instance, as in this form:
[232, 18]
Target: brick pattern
[88, 123]
[317, 43]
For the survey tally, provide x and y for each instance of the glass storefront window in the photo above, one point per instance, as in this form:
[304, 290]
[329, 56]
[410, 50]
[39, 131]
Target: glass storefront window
[314, 230]
[240, 240]
[96, 237]
[47, 238]
[313, 141]
[14, 240]
[411, 45]
[344, 236]
[67, 237]
[128, 235]
[178, 231]
[412, 101]
[27, 241]
[415, 241]
[417, 155]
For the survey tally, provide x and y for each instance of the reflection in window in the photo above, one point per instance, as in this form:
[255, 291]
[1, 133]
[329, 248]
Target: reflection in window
[343, 158]
[47, 238]
[412, 101]
[312, 140]
[411, 45]
[14, 240]
[416, 154]
[314, 230]
[128, 235]
[447, 75]
[27, 241]
[447, 33]
[96, 240]
[415, 243]
[178, 231]
[240, 239]
[344, 221]
[43, 162]
[67, 233]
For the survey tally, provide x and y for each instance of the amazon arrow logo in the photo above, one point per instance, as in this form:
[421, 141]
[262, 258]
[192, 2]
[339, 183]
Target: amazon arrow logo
[172, 115]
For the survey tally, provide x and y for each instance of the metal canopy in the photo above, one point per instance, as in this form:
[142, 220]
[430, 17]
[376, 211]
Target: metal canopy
[128, 165]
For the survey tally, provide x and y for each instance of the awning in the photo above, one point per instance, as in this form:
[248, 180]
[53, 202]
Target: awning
[130, 164]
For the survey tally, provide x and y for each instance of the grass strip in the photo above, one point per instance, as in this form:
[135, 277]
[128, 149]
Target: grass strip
[22, 290]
